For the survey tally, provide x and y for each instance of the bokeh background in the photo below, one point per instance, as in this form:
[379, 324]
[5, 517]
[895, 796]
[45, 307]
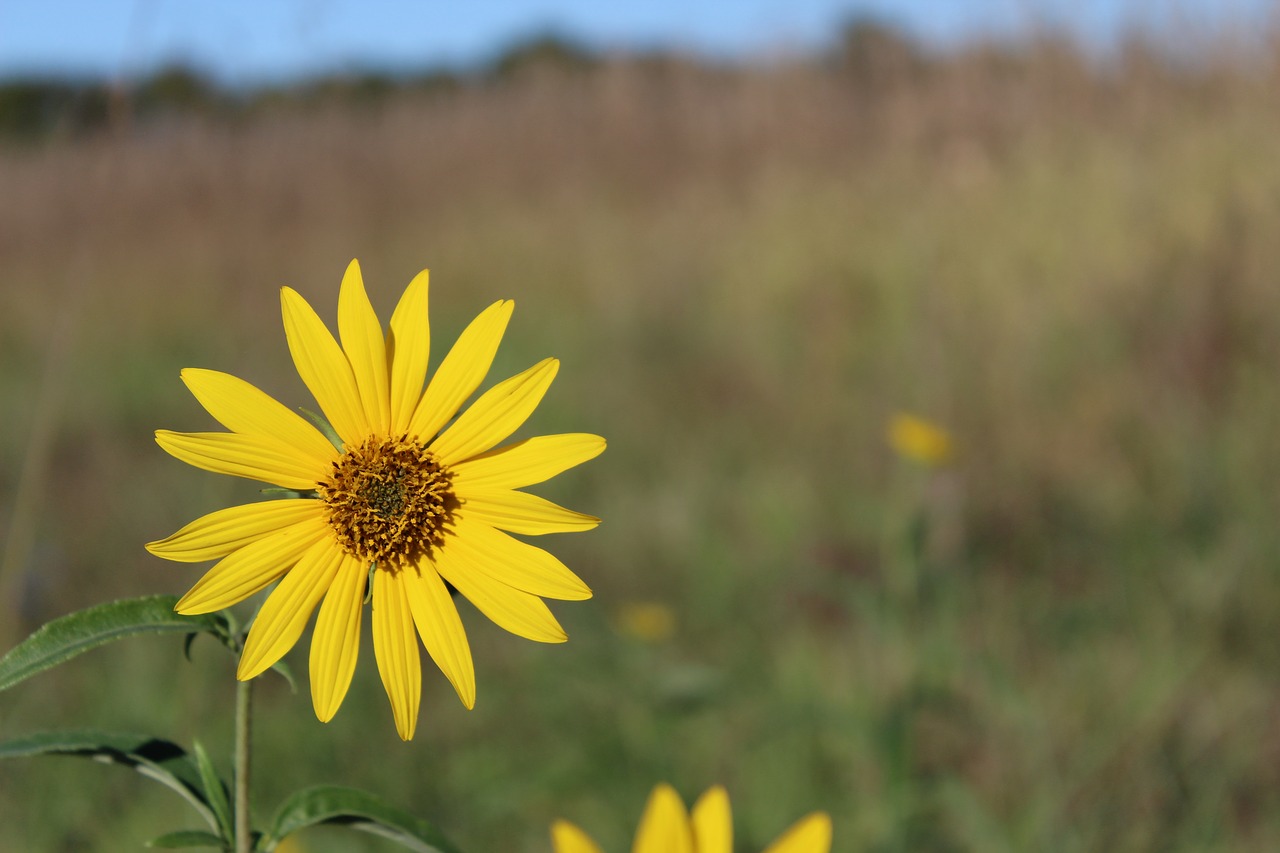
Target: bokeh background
[754, 235]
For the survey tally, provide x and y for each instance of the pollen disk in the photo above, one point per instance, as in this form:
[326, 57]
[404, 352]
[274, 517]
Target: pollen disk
[389, 500]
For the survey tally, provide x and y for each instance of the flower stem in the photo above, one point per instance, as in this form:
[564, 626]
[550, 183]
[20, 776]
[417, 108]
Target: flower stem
[244, 720]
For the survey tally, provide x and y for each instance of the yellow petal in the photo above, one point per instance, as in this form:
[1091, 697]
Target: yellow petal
[362, 341]
[323, 368]
[664, 828]
[288, 608]
[335, 641]
[441, 629]
[408, 350]
[395, 645]
[499, 412]
[713, 822]
[811, 834]
[567, 838]
[527, 462]
[519, 612]
[253, 567]
[462, 370]
[217, 534]
[520, 512]
[240, 407]
[262, 459]
[481, 549]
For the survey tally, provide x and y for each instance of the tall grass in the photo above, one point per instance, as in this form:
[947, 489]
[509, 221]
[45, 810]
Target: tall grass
[746, 272]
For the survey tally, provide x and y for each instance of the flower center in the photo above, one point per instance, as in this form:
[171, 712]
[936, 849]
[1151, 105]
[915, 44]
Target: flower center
[389, 501]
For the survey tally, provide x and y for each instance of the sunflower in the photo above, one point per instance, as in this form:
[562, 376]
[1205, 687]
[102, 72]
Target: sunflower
[388, 497]
[667, 828]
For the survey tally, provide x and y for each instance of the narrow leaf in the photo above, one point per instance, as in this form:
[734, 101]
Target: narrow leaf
[324, 426]
[187, 838]
[330, 804]
[161, 760]
[282, 669]
[215, 792]
[68, 636]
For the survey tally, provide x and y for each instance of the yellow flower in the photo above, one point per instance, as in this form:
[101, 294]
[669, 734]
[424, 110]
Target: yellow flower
[667, 828]
[919, 440]
[397, 497]
[647, 621]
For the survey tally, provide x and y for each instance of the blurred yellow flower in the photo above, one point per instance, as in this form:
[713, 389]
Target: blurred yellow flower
[919, 440]
[647, 621]
[667, 828]
[400, 495]
[290, 844]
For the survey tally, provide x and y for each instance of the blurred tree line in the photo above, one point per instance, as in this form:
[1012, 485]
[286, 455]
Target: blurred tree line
[866, 54]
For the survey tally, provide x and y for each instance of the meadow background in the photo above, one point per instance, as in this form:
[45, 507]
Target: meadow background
[1065, 639]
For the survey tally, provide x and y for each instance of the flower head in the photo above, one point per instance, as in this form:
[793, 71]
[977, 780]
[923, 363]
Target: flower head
[919, 440]
[646, 621]
[667, 827]
[400, 495]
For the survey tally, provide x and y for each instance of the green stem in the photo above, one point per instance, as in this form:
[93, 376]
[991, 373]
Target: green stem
[244, 720]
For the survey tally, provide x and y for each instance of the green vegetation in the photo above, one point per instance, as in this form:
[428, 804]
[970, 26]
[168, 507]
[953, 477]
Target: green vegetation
[1063, 641]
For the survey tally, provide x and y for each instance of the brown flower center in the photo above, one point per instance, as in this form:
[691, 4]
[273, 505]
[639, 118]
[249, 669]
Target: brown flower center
[389, 501]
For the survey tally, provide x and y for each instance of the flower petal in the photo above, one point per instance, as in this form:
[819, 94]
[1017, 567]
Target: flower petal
[664, 828]
[441, 630]
[335, 641]
[477, 547]
[713, 822]
[240, 575]
[520, 512]
[362, 341]
[408, 350]
[810, 834]
[288, 608]
[462, 370]
[323, 367]
[242, 408]
[567, 838]
[395, 645]
[527, 462]
[519, 612]
[499, 412]
[217, 534]
[254, 458]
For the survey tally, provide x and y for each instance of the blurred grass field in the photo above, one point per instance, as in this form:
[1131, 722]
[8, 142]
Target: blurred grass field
[1063, 640]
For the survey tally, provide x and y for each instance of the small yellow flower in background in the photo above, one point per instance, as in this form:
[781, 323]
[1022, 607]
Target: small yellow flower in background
[647, 621]
[397, 497]
[919, 440]
[290, 844]
[667, 828]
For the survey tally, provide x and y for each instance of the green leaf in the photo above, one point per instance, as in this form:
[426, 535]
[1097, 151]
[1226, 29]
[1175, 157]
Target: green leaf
[161, 760]
[357, 809]
[187, 838]
[277, 492]
[324, 426]
[228, 634]
[215, 792]
[282, 669]
[67, 636]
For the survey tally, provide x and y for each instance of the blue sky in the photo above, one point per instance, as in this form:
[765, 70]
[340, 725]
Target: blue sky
[242, 42]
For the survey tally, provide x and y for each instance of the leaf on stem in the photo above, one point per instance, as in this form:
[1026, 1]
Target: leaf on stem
[161, 760]
[187, 838]
[330, 804]
[68, 636]
[215, 791]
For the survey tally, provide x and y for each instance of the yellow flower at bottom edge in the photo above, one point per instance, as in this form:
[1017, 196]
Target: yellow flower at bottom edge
[667, 828]
[398, 497]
